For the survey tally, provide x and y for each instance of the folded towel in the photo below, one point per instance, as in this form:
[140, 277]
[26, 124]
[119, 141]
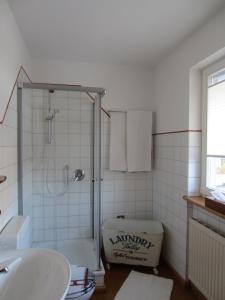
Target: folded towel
[139, 141]
[78, 279]
[82, 284]
[117, 155]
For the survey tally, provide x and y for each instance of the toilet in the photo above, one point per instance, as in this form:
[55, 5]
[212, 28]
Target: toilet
[17, 235]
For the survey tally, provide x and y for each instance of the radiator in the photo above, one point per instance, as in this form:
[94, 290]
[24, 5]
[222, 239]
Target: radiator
[206, 264]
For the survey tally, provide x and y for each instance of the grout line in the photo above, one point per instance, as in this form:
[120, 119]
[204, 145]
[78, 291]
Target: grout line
[178, 131]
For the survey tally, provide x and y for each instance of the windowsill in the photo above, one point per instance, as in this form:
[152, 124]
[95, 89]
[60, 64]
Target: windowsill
[199, 201]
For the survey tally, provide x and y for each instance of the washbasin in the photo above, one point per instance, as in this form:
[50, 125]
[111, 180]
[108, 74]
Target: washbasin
[34, 274]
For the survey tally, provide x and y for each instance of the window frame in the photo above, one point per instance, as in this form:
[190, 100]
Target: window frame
[214, 68]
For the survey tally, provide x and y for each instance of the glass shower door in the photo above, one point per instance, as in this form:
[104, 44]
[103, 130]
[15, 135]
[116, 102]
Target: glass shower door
[97, 179]
[60, 132]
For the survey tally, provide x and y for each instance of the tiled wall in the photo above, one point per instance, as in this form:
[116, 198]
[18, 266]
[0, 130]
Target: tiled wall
[8, 163]
[169, 186]
[59, 211]
[8, 159]
[124, 193]
[194, 163]
[68, 216]
[210, 219]
[176, 173]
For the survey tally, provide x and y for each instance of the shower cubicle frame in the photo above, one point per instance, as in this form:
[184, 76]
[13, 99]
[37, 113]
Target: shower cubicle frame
[96, 177]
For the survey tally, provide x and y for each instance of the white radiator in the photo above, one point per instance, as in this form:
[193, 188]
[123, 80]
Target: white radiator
[206, 267]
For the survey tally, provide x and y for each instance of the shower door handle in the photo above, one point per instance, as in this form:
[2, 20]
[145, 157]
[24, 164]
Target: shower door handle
[78, 175]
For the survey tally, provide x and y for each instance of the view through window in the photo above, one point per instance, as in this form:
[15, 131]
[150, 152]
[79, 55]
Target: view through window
[215, 146]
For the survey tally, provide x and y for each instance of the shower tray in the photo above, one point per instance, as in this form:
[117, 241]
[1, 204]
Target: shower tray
[80, 252]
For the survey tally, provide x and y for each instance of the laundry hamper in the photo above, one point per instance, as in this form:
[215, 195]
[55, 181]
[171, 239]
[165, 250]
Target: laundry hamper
[134, 242]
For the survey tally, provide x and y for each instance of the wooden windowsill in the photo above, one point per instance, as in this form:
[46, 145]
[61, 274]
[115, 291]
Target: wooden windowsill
[199, 201]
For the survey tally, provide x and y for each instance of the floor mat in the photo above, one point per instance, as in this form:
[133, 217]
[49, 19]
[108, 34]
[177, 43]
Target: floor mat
[140, 286]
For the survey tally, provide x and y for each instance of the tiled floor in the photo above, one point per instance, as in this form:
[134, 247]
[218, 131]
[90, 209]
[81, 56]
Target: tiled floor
[118, 273]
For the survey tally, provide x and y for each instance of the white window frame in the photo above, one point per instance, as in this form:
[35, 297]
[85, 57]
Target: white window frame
[205, 74]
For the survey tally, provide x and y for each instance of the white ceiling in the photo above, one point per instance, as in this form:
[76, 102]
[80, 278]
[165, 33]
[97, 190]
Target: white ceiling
[111, 31]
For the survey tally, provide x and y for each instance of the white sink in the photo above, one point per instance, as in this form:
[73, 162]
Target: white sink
[34, 274]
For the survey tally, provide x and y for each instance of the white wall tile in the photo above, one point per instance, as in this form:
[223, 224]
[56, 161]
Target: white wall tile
[122, 193]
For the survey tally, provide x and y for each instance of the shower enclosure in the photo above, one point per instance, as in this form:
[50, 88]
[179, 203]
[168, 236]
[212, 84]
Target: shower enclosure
[59, 172]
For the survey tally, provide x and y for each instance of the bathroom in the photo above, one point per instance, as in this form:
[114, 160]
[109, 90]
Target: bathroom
[59, 63]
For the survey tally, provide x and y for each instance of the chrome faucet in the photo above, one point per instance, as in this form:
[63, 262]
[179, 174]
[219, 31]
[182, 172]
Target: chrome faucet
[4, 270]
[4, 266]
[78, 175]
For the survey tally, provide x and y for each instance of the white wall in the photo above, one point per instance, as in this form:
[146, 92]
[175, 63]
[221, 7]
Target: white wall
[171, 76]
[13, 53]
[127, 87]
[177, 102]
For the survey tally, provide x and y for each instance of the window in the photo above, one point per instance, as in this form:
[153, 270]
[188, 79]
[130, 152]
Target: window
[213, 141]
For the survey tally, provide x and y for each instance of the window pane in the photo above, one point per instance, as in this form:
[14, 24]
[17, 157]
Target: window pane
[215, 173]
[216, 77]
[216, 120]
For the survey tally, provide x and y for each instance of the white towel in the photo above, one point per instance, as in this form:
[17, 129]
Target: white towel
[78, 278]
[117, 155]
[139, 141]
